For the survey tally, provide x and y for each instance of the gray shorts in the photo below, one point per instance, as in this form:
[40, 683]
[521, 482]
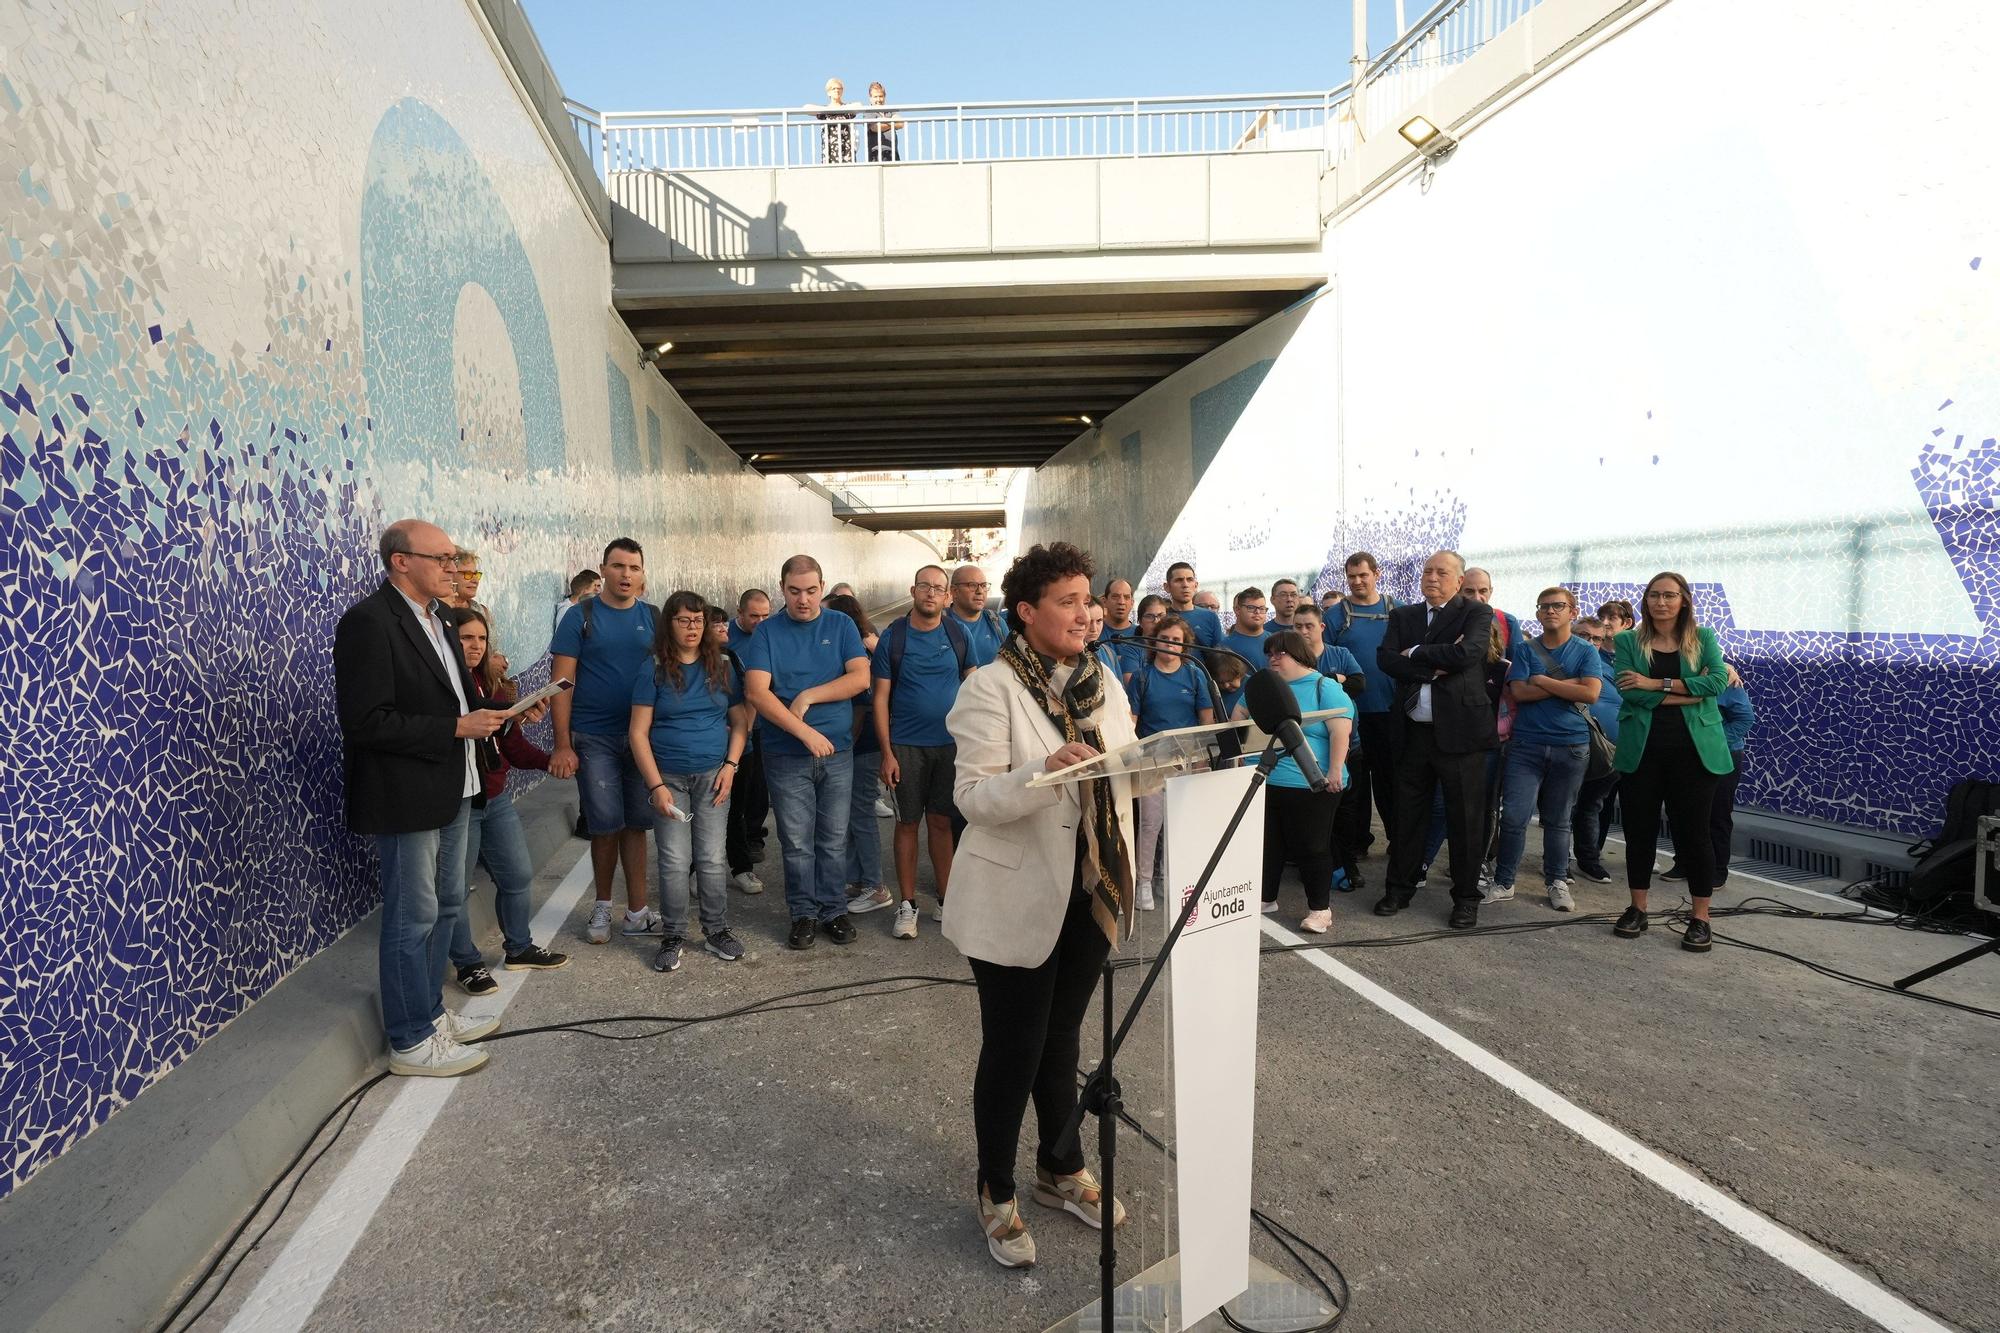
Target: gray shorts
[928, 773]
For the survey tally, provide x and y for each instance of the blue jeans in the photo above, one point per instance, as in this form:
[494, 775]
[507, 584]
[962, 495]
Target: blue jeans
[495, 840]
[864, 833]
[1546, 776]
[423, 893]
[613, 795]
[810, 798]
[695, 848]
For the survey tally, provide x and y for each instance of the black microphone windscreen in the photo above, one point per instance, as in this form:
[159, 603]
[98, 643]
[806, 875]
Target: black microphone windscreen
[1270, 701]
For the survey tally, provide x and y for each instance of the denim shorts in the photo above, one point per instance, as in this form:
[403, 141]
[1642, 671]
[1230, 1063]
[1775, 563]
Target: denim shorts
[609, 785]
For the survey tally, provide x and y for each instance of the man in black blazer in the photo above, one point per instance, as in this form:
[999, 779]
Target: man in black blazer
[1436, 652]
[407, 731]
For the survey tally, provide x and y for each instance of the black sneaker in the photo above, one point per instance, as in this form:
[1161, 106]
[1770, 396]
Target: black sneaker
[1698, 938]
[723, 945]
[804, 930]
[1631, 924]
[476, 980]
[1673, 874]
[582, 830]
[536, 958]
[668, 959]
[1593, 871]
[840, 930]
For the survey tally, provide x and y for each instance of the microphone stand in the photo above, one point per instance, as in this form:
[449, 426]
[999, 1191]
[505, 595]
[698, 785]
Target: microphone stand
[1101, 1095]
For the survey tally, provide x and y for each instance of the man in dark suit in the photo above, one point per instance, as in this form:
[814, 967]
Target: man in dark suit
[407, 731]
[1436, 653]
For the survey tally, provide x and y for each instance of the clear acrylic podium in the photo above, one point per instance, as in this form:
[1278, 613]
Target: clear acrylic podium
[1200, 805]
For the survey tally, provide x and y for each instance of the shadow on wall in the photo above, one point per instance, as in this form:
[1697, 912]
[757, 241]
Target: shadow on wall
[702, 226]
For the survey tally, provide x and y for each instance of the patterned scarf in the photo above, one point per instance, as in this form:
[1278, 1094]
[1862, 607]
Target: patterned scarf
[1108, 864]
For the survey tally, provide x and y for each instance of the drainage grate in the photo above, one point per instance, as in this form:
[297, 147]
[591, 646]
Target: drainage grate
[1815, 864]
[1893, 877]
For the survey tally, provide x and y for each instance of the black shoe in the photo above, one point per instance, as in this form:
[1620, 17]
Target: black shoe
[476, 980]
[582, 829]
[1593, 871]
[757, 851]
[1631, 924]
[536, 958]
[1464, 916]
[840, 930]
[804, 931]
[1673, 874]
[1389, 905]
[1698, 939]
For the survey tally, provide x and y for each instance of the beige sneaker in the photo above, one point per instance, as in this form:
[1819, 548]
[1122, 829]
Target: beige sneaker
[1078, 1195]
[1007, 1238]
[906, 921]
[436, 1056]
[463, 1028]
[870, 899]
[1317, 923]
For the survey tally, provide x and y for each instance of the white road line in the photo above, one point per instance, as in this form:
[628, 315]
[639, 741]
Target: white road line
[1823, 1271]
[289, 1291]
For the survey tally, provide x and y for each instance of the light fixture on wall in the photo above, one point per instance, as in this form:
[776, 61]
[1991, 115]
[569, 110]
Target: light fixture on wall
[1435, 145]
[652, 358]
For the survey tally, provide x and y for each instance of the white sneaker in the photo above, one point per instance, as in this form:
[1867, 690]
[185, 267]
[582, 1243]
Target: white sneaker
[1268, 909]
[463, 1028]
[645, 921]
[1560, 897]
[436, 1056]
[906, 921]
[1146, 903]
[745, 882]
[600, 922]
[937, 910]
[884, 810]
[1489, 892]
[870, 900]
[1317, 923]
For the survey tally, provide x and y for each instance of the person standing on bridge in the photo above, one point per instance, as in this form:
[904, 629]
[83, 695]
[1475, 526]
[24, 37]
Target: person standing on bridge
[882, 127]
[836, 134]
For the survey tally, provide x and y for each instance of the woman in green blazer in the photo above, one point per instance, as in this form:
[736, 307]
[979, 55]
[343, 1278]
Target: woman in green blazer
[1671, 747]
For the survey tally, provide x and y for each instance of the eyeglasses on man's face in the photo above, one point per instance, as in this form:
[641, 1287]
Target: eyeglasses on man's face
[971, 587]
[1552, 606]
[935, 587]
[447, 561]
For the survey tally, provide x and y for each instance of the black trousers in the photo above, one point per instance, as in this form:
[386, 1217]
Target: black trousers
[1671, 777]
[1370, 775]
[1591, 818]
[1721, 820]
[749, 807]
[1029, 1018]
[1298, 827]
[1420, 767]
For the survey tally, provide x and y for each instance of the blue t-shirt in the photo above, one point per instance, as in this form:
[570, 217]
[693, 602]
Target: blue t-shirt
[1553, 721]
[738, 636]
[1205, 625]
[1167, 700]
[800, 654]
[690, 723]
[1605, 710]
[1131, 655]
[1107, 657]
[1251, 649]
[983, 636]
[920, 698]
[619, 646]
[1315, 693]
[1227, 708]
[1360, 630]
[1737, 716]
[1335, 660]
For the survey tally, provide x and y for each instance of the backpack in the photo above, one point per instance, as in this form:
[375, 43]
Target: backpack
[1946, 864]
[590, 604]
[898, 635]
[1347, 616]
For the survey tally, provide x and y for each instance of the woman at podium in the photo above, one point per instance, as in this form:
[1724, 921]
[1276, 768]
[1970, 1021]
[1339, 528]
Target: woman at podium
[1042, 884]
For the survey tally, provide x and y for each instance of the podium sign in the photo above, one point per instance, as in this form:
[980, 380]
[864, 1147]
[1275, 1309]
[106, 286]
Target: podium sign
[1213, 982]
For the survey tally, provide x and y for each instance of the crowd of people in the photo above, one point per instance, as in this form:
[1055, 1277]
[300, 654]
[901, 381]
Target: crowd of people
[689, 728]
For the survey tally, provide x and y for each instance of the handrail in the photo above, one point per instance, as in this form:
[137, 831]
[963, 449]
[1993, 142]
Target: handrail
[1070, 103]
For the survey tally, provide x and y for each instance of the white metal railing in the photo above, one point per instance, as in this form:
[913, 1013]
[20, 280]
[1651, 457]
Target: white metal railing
[810, 136]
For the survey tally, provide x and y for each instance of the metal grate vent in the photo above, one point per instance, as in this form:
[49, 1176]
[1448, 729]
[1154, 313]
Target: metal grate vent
[1894, 877]
[1826, 865]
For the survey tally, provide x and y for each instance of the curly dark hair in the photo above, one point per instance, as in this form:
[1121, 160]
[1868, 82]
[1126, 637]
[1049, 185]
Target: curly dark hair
[1031, 574]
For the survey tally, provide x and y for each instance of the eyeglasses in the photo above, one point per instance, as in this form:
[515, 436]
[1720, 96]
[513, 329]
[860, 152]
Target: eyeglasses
[472, 574]
[971, 587]
[444, 561]
[1552, 606]
[690, 622]
[935, 587]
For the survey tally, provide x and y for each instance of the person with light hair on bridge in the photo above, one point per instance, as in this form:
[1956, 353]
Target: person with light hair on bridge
[836, 135]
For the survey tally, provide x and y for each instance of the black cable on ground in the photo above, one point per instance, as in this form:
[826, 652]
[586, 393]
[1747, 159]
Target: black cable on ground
[841, 992]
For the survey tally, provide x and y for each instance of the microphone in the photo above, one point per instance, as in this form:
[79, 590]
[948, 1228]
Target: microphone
[1275, 710]
[1192, 649]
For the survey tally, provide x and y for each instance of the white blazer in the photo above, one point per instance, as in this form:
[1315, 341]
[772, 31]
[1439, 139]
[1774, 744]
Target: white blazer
[1012, 872]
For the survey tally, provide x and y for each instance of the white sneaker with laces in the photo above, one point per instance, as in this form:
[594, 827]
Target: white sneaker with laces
[745, 882]
[600, 922]
[436, 1056]
[937, 910]
[645, 921]
[906, 921]
[884, 810]
[463, 1028]
[1490, 892]
[1560, 897]
[870, 900]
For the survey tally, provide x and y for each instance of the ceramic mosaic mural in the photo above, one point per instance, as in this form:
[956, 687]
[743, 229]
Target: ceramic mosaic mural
[241, 332]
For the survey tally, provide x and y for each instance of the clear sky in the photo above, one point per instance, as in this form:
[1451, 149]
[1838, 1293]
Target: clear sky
[693, 54]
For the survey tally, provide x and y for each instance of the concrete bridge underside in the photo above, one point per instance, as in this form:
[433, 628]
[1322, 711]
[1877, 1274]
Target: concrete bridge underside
[911, 317]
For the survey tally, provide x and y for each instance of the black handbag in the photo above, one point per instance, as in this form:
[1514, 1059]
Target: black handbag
[1603, 754]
